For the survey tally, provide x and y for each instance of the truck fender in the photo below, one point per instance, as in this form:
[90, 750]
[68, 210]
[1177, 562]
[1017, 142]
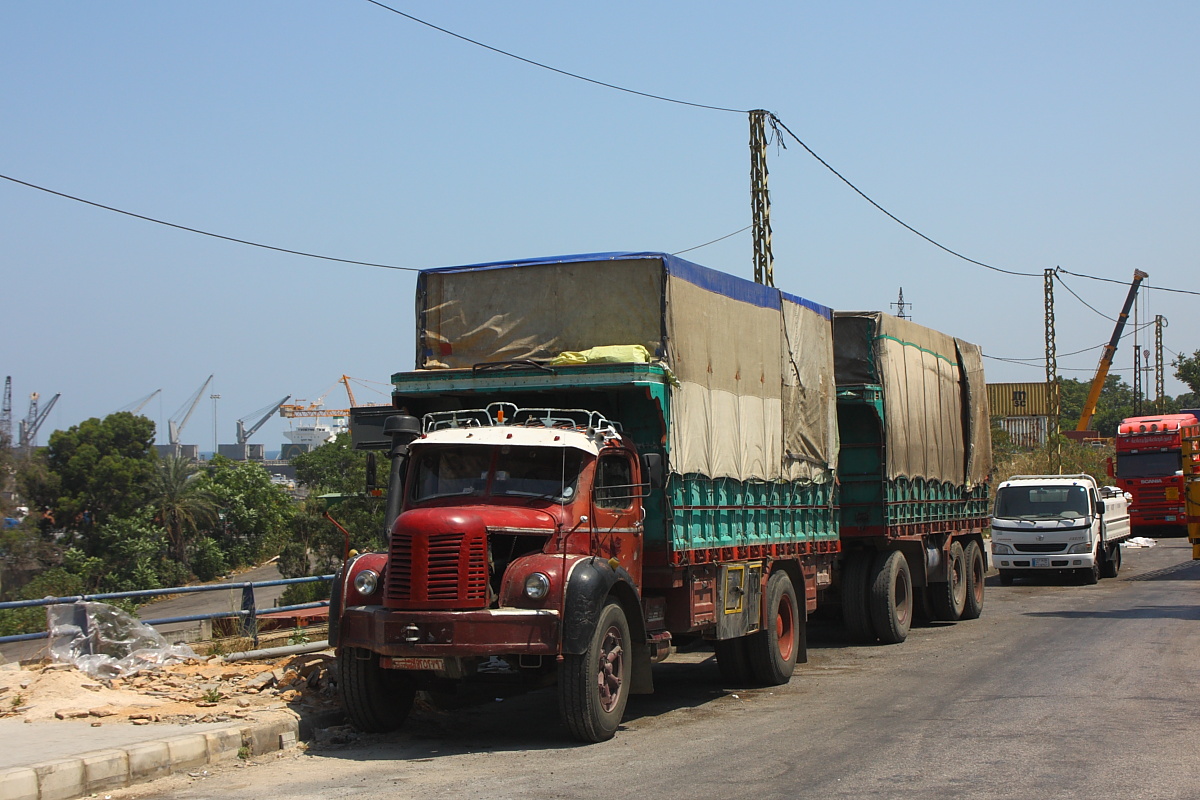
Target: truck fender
[593, 581]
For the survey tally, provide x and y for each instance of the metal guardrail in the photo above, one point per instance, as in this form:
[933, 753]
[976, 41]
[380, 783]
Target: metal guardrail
[248, 613]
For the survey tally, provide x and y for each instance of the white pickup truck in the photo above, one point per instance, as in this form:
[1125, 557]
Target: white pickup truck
[1058, 523]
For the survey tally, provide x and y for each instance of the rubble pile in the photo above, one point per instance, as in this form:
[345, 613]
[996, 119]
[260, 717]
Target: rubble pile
[187, 692]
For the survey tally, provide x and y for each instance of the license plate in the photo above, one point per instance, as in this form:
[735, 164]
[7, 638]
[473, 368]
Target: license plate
[418, 663]
[1041, 562]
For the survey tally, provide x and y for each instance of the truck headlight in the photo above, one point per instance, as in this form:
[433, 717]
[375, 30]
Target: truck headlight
[366, 582]
[1001, 549]
[1082, 547]
[537, 586]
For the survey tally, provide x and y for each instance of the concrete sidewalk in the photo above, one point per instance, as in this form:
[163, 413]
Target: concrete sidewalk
[65, 759]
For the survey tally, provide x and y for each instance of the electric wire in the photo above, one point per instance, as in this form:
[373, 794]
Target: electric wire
[714, 241]
[207, 233]
[1126, 283]
[553, 69]
[1063, 284]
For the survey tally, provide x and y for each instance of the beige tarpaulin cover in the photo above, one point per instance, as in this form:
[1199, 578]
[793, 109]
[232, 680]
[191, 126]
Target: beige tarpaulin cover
[755, 399]
[934, 399]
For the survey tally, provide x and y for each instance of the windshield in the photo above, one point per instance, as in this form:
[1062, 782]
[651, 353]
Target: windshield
[1041, 502]
[1149, 465]
[550, 473]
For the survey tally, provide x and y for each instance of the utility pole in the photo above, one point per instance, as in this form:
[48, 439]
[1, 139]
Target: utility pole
[1160, 397]
[900, 305]
[760, 199]
[1052, 385]
[214, 398]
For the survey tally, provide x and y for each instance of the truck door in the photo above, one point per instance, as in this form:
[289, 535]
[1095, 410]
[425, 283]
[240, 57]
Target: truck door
[617, 512]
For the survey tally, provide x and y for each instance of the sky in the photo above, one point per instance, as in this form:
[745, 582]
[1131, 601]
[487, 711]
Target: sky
[1024, 135]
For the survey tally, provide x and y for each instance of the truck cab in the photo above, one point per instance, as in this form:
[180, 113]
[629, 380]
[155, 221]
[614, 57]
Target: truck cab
[1065, 524]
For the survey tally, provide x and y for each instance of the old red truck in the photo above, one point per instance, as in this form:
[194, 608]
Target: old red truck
[1149, 466]
[600, 456]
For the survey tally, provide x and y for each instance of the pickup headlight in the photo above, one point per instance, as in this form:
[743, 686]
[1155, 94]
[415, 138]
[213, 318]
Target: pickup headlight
[1001, 549]
[366, 582]
[1082, 547]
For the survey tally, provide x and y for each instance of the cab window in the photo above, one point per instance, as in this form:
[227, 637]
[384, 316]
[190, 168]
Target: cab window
[614, 483]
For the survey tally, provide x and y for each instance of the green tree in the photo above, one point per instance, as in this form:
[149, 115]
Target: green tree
[253, 513]
[1187, 369]
[1114, 405]
[102, 469]
[182, 502]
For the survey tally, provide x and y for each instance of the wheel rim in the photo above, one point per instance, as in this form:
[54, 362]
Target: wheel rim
[902, 592]
[611, 672]
[958, 587]
[977, 577]
[785, 629]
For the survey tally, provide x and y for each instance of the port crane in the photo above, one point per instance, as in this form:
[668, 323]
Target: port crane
[31, 424]
[137, 405]
[244, 433]
[177, 422]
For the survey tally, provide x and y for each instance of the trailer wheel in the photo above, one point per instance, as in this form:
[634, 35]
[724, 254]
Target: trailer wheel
[950, 598]
[973, 558]
[733, 659]
[856, 614]
[377, 700]
[774, 649]
[1112, 564]
[593, 688]
[891, 597]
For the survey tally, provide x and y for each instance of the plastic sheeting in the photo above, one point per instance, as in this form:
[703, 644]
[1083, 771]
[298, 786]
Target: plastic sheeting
[755, 399]
[106, 642]
[934, 396]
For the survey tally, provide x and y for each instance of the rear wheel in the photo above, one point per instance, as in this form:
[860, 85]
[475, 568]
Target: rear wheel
[1112, 564]
[891, 597]
[376, 699]
[976, 572]
[856, 613]
[774, 649]
[950, 598]
[593, 688]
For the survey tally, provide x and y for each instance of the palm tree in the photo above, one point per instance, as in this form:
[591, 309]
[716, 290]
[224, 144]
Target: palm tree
[182, 502]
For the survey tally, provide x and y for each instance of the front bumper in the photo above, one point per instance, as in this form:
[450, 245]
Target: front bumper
[442, 634]
[1030, 562]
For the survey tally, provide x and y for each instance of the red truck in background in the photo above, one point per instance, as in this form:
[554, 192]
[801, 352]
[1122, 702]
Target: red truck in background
[1150, 467]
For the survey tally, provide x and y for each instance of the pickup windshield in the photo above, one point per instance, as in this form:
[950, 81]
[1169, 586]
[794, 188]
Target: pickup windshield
[549, 473]
[1149, 465]
[1041, 502]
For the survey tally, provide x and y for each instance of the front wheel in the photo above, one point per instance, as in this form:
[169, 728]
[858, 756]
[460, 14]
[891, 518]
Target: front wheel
[377, 700]
[593, 688]
[774, 650]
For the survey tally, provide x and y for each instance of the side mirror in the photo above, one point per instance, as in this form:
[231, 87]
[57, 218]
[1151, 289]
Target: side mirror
[652, 469]
[1100, 507]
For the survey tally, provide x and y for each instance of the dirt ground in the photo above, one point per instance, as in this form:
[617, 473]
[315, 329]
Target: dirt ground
[208, 690]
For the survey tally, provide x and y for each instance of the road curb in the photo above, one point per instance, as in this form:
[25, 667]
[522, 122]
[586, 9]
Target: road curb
[66, 778]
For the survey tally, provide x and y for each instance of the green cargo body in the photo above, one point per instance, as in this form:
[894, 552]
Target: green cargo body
[912, 419]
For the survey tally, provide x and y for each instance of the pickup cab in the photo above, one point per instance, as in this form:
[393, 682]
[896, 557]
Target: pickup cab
[1065, 524]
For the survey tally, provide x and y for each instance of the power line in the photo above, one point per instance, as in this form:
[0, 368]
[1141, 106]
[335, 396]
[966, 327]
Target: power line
[1126, 283]
[714, 241]
[1063, 284]
[207, 233]
[550, 68]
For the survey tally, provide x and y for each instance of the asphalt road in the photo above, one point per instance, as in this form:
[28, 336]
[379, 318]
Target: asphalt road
[1058, 691]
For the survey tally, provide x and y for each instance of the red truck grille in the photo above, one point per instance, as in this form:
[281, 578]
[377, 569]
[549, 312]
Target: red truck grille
[439, 570]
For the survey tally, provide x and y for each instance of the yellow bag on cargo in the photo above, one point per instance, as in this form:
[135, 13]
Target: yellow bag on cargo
[607, 354]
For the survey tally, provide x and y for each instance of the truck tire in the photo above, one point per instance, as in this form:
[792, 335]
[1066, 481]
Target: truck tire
[1090, 576]
[949, 598]
[593, 688]
[774, 649]
[891, 597]
[733, 659]
[1112, 564]
[856, 613]
[377, 700]
[976, 573]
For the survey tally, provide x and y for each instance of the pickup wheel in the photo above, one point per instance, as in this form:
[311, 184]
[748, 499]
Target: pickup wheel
[1089, 576]
[950, 598]
[733, 659]
[1112, 564]
[593, 688]
[774, 649]
[377, 700]
[856, 613]
[891, 597]
[973, 557]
